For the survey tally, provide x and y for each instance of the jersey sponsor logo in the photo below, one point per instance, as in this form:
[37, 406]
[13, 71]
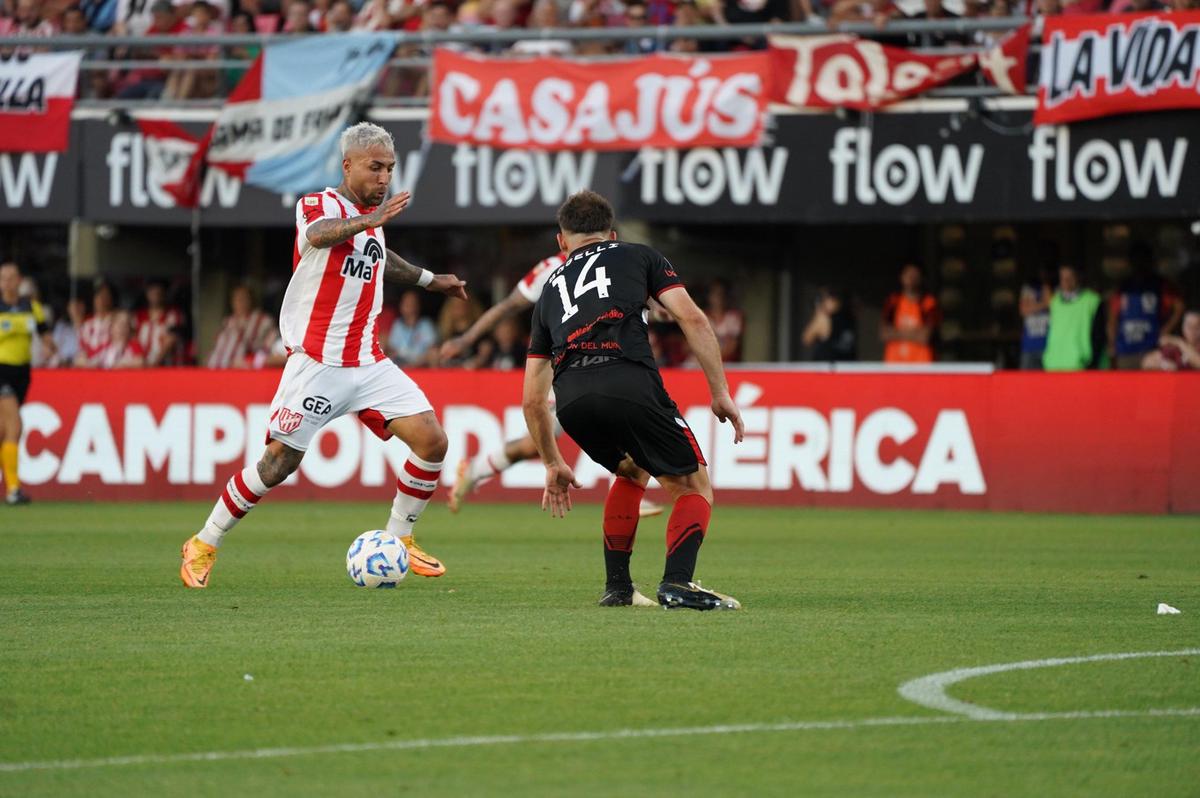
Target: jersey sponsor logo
[288, 421]
[317, 404]
[312, 200]
[363, 266]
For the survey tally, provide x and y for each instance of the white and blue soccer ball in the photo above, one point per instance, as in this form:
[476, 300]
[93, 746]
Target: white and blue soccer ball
[377, 559]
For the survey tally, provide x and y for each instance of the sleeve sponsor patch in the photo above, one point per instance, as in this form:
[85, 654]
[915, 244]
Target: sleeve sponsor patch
[312, 201]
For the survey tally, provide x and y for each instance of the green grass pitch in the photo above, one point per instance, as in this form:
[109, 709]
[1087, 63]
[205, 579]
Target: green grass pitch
[103, 654]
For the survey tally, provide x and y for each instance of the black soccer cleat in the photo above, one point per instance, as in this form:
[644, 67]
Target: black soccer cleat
[672, 596]
[16, 497]
[628, 596]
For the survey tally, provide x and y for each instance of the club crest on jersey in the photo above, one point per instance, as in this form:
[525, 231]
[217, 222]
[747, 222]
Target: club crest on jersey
[363, 266]
[288, 420]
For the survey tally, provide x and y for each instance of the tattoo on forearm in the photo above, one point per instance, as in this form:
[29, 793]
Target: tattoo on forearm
[327, 232]
[398, 270]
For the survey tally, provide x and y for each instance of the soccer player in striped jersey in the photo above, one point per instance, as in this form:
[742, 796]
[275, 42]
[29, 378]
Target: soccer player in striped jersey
[488, 464]
[335, 364]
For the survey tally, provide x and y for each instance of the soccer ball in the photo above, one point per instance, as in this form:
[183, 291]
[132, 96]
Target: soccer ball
[377, 559]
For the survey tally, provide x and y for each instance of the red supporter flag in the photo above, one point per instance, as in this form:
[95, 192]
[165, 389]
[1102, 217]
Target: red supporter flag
[844, 71]
[1098, 65]
[1004, 64]
[37, 93]
[560, 104]
[171, 159]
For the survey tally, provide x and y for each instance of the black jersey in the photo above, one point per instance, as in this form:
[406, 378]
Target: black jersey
[591, 311]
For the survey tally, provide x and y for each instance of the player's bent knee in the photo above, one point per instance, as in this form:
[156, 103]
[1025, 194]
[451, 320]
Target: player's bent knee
[630, 470]
[278, 462]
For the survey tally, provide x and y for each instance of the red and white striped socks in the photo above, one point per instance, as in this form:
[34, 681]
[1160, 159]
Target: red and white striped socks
[414, 488]
[240, 496]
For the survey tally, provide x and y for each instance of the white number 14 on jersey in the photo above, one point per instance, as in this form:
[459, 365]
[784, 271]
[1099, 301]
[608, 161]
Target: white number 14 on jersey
[600, 283]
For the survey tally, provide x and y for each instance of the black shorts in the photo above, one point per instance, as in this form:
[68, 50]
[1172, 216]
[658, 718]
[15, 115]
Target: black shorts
[14, 381]
[623, 409]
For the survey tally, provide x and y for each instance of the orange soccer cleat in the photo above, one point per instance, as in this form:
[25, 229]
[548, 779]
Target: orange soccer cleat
[198, 561]
[420, 562]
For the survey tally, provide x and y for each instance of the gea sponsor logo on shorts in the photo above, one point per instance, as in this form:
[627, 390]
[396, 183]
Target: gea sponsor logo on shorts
[317, 404]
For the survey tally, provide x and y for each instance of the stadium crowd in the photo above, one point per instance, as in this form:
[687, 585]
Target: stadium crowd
[1141, 323]
[99, 18]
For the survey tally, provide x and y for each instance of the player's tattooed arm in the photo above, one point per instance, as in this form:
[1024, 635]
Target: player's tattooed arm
[397, 270]
[328, 232]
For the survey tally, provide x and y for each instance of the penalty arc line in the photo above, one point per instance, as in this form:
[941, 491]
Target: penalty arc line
[930, 691]
[576, 737]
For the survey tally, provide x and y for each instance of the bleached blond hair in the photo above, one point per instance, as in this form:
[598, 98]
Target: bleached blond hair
[365, 135]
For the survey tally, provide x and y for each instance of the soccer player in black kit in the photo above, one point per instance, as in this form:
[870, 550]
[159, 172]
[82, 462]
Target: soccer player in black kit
[589, 337]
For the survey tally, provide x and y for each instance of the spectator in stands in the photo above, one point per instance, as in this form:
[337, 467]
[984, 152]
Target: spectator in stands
[1035, 320]
[737, 12]
[149, 83]
[832, 334]
[1140, 311]
[508, 348]
[504, 17]
[1076, 338]
[93, 83]
[1184, 5]
[157, 327]
[412, 337]
[910, 320]
[544, 15]
[66, 333]
[96, 330]
[184, 84]
[123, 351]
[727, 321]
[454, 319]
[134, 17]
[241, 23]
[246, 334]
[1178, 352]
[1136, 6]
[339, 18]
[637, 16]
[688, 15]
[297, 18]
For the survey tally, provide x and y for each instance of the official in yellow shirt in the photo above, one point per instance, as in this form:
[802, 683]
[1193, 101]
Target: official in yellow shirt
[20, 319]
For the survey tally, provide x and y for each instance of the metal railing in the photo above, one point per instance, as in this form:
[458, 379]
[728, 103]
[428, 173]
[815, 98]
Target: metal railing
[922, 38]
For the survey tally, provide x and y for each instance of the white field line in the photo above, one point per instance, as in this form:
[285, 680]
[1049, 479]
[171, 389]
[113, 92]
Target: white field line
[930, 691]
[574, 737]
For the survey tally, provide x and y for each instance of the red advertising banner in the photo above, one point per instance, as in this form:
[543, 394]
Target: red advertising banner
[558, 104]
[1098, 442]
[844, 71]
[1096, 65]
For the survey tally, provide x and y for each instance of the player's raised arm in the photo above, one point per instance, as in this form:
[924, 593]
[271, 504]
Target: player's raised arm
[703, 341]
[512, 304]
[326, 233]
[397, 270]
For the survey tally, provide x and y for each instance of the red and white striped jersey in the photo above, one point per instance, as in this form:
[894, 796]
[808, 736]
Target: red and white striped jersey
[153, 334]
[332, 302]
[94, 335]
[243, 342]
[534, 281]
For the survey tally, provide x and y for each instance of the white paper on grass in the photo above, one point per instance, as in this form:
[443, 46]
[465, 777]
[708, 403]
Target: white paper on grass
[1167, 609]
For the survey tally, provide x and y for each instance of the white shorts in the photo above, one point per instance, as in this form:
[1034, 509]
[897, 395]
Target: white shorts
[311, 394]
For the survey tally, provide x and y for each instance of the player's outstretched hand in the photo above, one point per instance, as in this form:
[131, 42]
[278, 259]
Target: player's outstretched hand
[452, 348]
[725, 410]
[449, 285]
[390, 208]
[559, 481]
